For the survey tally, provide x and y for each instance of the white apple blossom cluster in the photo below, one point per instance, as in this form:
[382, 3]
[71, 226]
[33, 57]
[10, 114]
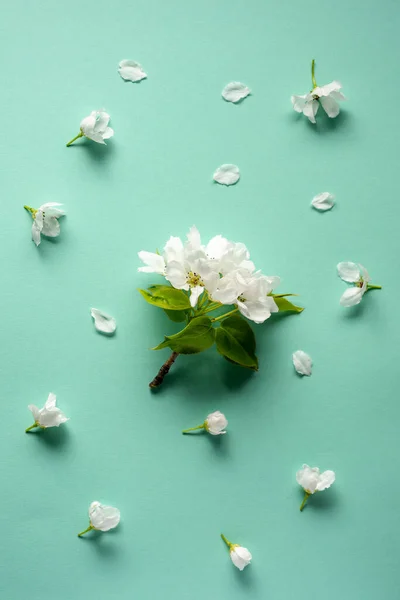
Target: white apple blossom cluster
[221, 268]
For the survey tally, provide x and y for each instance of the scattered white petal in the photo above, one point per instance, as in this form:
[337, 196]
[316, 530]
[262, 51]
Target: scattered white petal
[227, 174]
[324, 201]
[235, 91]
[302, 363]
[131, 71]
[103, 322]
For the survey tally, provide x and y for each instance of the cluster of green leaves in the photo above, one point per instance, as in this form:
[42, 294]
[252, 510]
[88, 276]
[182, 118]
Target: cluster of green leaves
[233, 336]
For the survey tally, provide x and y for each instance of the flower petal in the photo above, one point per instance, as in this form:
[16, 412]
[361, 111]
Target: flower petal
[51, 226]
[102, 517]
[36, 233]
[103, 322]
[311, 109]
[325, 480]
[299, 102]
[302, 363]
[35, 412]
[352, 296]
[131, 71]
[155, 262]
[348, 271]
[51, 401]
[195, 293]
[51, 210]
[177, 276]
[330, 106]
[235, 91]
[241, 557]
[323, 201]
[227, 174]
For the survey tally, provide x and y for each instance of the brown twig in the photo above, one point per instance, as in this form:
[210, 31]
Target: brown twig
[159, 378]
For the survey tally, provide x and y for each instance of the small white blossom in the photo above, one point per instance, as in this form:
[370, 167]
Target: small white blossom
[48, 416]
[215, 424]
[227, 174]
[131, 71]
[328, 96]
[102, 518]
[311, 480]
[95, 127]
[235, 92]
[302, 363]
[240, 556]
[103, 323]
[45, 220]
[357, 274]
[323, 201]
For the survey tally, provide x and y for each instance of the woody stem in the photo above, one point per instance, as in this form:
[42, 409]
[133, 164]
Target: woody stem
[159, 378]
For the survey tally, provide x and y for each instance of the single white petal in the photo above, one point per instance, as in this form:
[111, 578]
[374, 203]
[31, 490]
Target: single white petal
[177, 275]
[35, 412]
[154, 262]
[311, 109]
[195, 293]
[326, 479]
[326, 90]
[103, 517]
[235, 91]
[51, 226]
[323, 201]
[173, 250]
[352, 296]
[364, 274]
[36, 233]
[51, 210]
[102, 118]
[257, 311]
[103, 322]
[348, 271]
[194, 239]
[51, 401]
[131, 70]
[302, 363]
[330, 106]
[109, 132]
[227, 174]
[299, 102]
[241, 557]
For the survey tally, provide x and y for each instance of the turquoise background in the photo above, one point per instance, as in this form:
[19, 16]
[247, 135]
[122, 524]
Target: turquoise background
[123, 445]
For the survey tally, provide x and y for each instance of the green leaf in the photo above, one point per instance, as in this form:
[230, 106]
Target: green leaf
[197, 336]
[175, 315]
[285, 305]
[236, 342]
[166, 297]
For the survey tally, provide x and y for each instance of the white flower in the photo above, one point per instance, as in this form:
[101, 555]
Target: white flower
[95, 127]
[235, 91]
[227, 174]
[45, 220]
[302, 362]
[328, 96]
[254, 302]
[48, 416]
[357, 274]
[102, 518]
[103, 323]
[240, 556]
[156, 263]
[131, 71]
[214, 424]
[323, 201]
[311, 480]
